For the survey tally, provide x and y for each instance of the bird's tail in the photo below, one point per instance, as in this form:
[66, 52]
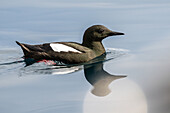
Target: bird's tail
[24, 48]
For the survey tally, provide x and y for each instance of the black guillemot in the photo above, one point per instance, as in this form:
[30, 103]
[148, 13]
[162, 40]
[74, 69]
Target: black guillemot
[71, 52]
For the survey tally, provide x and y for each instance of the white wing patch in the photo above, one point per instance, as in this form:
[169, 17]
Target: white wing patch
[61, 47]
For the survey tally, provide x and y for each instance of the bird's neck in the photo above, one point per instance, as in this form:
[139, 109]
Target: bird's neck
[96, 46]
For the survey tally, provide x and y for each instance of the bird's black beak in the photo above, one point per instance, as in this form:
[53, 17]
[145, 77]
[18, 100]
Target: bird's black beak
[113, 33]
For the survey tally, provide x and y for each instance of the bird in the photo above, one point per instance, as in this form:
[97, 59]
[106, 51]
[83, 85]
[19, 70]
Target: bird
[71, 52]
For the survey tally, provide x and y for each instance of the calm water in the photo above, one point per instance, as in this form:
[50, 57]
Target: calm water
[97, 88]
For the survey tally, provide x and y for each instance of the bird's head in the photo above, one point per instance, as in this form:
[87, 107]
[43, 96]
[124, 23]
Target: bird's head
[98, 33]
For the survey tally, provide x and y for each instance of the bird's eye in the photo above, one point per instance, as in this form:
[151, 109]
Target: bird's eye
[100, 31]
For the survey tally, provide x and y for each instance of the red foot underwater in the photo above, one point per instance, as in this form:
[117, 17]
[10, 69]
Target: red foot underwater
[48, 62]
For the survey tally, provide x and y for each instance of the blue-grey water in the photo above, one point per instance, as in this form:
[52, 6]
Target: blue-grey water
[92, 88]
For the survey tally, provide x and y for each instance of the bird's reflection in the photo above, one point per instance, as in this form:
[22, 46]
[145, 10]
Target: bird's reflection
[99, 78]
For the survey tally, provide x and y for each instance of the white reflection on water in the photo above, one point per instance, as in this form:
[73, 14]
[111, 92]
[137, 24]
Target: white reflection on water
[126, 97]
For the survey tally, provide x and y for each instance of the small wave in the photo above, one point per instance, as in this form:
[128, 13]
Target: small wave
[117, 49]
[14, 62]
